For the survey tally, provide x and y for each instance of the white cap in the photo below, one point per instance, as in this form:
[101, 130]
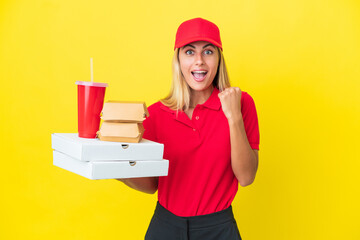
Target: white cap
[93, 84]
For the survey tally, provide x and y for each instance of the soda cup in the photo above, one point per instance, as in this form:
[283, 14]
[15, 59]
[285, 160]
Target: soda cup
[90, 103]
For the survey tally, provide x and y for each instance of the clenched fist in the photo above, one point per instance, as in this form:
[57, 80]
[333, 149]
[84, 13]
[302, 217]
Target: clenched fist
[230, 102]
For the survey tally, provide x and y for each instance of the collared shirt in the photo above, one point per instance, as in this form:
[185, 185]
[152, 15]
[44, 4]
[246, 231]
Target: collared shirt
[200, 178]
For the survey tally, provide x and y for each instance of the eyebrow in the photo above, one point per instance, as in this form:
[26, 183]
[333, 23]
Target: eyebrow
[203, 46]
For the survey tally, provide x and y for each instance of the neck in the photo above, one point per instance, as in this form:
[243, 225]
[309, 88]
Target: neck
[200, 97]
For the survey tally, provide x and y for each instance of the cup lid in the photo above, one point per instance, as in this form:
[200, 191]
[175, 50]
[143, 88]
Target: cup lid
[93, 84]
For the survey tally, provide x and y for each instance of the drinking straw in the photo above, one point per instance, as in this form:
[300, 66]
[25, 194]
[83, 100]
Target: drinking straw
[91, 70]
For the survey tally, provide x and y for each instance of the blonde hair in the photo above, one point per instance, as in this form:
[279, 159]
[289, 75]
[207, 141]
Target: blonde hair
[179, 95]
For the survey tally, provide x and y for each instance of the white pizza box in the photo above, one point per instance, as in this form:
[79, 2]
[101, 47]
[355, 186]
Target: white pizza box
[111, 169]
[92, 149]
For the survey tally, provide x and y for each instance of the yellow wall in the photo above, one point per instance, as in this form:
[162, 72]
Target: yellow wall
[300, 60]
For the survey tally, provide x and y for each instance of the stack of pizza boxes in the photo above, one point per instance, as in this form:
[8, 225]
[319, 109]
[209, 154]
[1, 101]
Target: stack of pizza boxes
[122, 121]
[118, 152]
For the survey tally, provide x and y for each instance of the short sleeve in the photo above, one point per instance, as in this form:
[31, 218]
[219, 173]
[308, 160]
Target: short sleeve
[250, 118]
[150, 125]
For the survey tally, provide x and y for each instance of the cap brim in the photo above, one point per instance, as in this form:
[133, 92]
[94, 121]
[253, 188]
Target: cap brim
[194, 39]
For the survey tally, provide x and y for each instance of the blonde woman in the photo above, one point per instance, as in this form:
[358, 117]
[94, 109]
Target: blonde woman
[211, 138]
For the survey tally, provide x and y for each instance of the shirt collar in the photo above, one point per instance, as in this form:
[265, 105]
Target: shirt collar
[213, 101]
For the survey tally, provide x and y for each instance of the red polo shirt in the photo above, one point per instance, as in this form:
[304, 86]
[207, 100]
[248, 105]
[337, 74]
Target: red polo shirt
[200, 179]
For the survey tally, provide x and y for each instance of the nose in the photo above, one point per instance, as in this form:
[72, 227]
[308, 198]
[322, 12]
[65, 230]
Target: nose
[199, 59]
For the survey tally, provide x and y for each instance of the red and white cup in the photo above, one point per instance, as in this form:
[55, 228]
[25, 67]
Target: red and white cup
[90, 103]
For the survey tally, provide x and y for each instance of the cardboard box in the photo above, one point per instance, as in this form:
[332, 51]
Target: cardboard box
[111, 169]
[122, 111]
[121, 132]
[86, 149]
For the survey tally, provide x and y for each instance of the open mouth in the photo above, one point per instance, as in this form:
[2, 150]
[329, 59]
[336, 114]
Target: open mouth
[199, 75]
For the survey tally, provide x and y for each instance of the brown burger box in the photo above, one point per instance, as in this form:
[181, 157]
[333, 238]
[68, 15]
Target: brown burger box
[122, 111]
[121, 132]
[122, 121]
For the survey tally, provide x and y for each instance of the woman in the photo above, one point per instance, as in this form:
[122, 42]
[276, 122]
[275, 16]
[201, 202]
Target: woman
[211, 139]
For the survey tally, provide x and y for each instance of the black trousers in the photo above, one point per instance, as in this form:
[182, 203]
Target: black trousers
[165, 225]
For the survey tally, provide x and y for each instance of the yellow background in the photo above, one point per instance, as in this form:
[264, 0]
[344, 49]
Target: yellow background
[299, 60]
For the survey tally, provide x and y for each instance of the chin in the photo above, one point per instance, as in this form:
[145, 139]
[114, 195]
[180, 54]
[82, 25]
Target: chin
[199, 87]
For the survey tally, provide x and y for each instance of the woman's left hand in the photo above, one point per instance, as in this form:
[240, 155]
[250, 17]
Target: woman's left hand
[230, 100]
